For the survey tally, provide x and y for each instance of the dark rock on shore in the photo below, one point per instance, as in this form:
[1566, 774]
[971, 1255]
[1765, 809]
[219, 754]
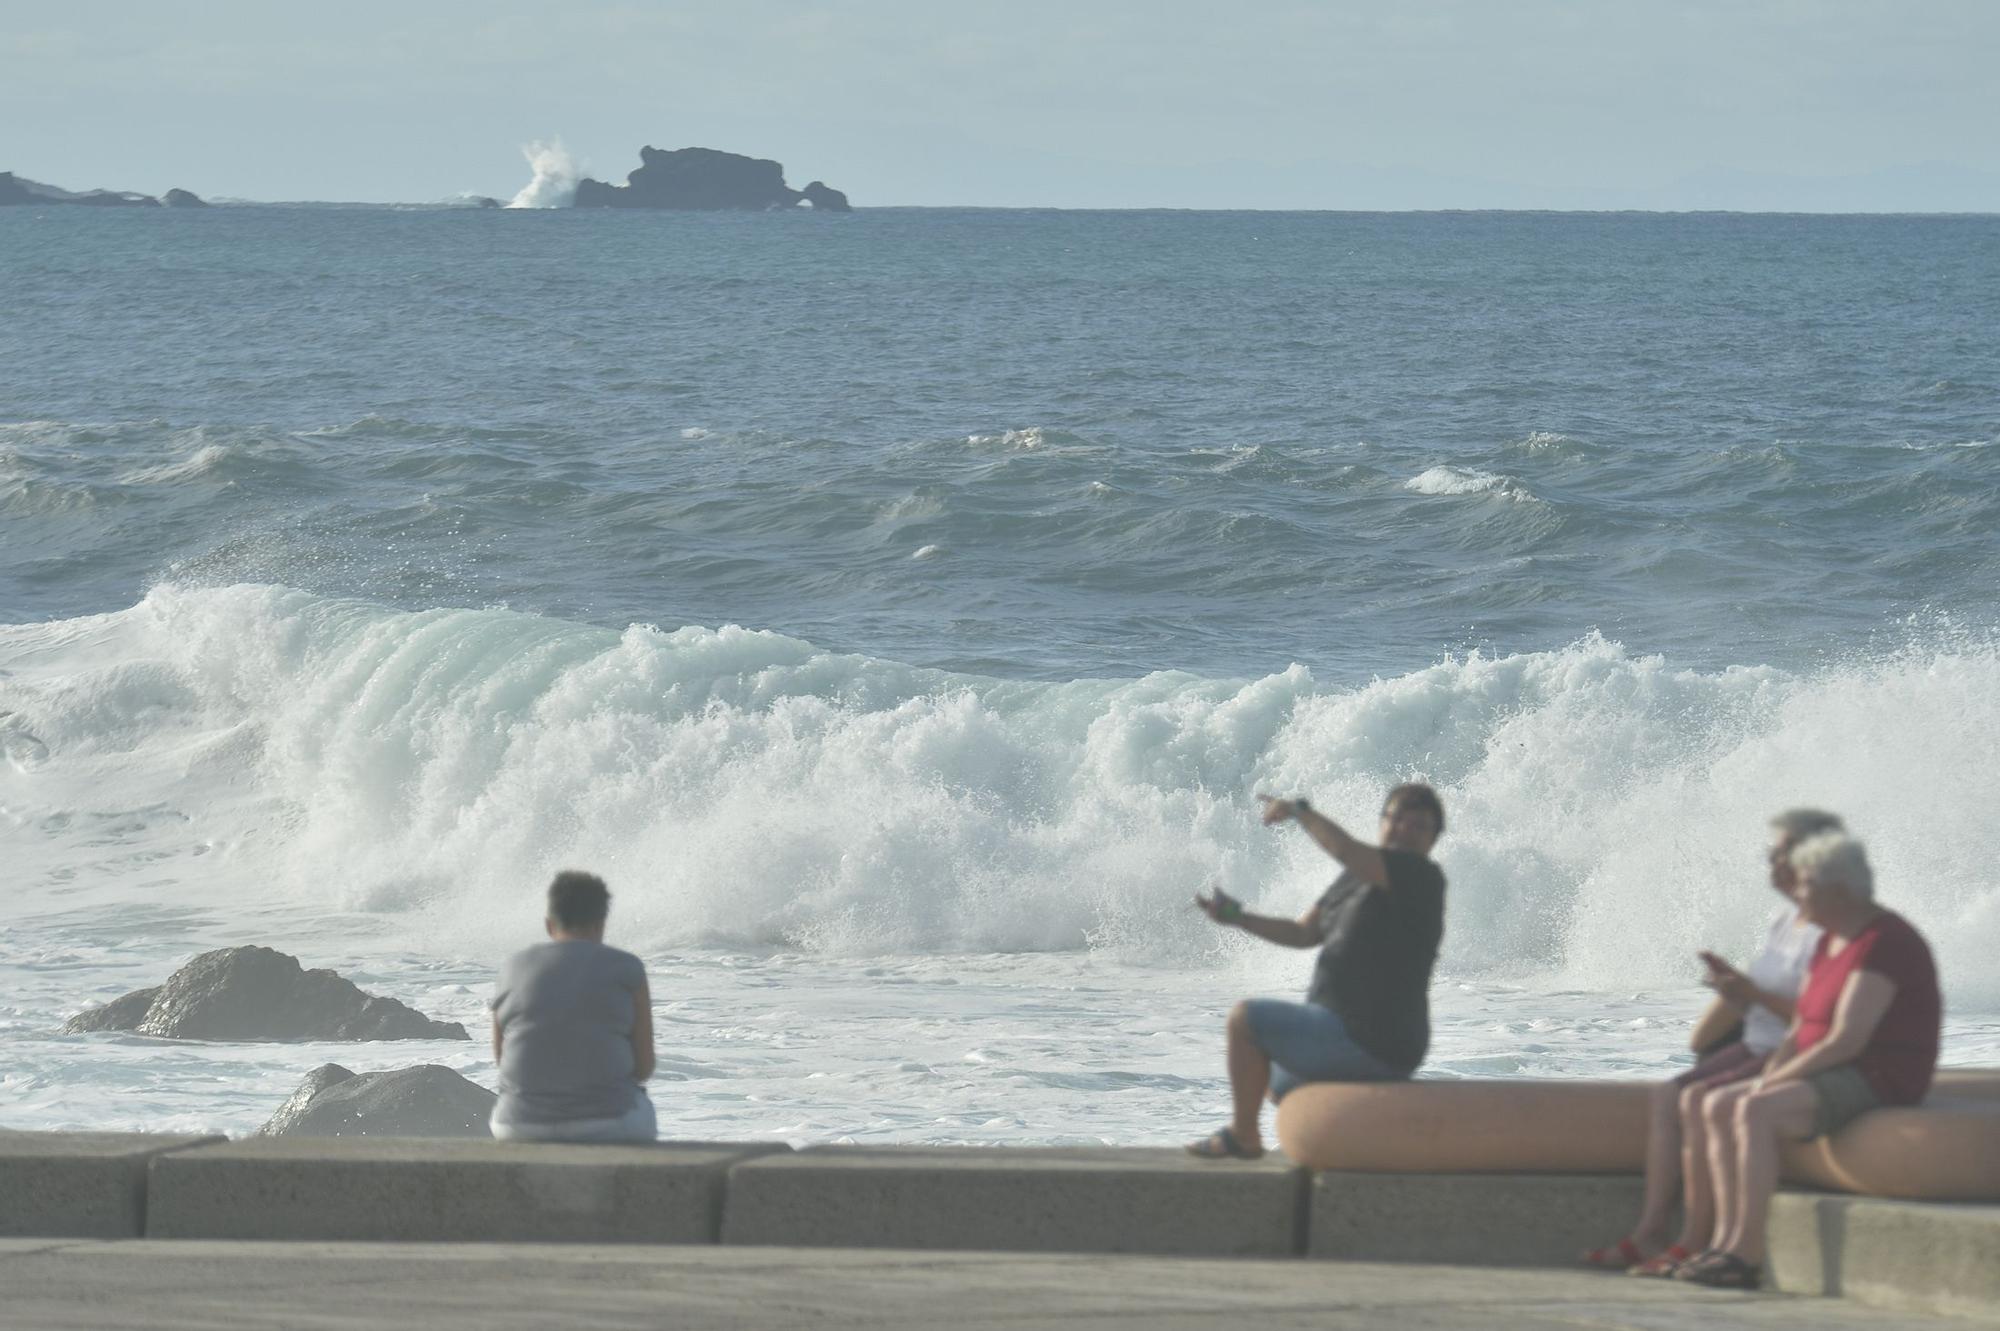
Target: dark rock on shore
[255, 993]
[18, 190]
[180, 198]
[120, 1014]
[708, 180]
[423, 1101]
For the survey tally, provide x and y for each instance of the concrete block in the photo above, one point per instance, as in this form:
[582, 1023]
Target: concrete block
[443, 1191]
[79, 1184]
[1017, 1200]
[1939, 1257]
[1472, 1219]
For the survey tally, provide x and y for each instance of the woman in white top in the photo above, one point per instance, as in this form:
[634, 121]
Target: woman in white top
[1760, 1002]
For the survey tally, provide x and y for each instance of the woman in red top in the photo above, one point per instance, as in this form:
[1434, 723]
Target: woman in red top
[1865, 1034]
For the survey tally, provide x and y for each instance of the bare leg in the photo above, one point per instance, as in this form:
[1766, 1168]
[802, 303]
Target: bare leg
[1663, 1157]
[1249, 1078]
[1763, 1119]
[1719, 1121]
[1698, 1202]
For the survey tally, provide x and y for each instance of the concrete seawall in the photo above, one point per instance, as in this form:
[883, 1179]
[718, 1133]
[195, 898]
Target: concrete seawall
[1933, 1256]
[1017, 1200]
[79, 1184]
[441, 1191]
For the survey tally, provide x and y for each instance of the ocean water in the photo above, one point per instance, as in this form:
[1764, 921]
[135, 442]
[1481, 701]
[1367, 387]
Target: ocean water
[902, 609]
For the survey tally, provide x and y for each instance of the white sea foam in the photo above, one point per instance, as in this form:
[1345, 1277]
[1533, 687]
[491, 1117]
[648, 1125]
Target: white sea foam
[196, 464]
[1031, 438]
[989, 877]
[1450, 480]
[555, 175]
[1606, 808]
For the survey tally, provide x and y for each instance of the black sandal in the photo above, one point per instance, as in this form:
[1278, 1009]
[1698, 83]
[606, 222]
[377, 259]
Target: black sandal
[1222, 1145]
[1722, 1270]
[1706, 1257]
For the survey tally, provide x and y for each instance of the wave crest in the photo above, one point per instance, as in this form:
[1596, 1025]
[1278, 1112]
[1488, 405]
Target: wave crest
[744, 787]
[1450, 480]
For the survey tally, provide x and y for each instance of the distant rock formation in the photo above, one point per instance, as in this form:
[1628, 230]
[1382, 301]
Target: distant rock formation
[254, 993]
[424, 1101]
[824, 196]
[705, 179]
[180, 198]
[17, 190]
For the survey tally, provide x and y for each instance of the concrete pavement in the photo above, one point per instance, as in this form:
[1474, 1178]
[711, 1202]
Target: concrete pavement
[185, 1285]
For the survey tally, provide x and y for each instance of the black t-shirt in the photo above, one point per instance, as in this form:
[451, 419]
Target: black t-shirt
[1381, 942]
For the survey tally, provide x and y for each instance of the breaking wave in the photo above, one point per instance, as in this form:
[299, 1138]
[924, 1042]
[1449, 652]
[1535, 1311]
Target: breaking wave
[251, 743]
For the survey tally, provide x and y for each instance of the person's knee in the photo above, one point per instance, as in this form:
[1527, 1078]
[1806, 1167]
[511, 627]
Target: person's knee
[1239, 1019]
[1719, 1112]
[1755, 1113]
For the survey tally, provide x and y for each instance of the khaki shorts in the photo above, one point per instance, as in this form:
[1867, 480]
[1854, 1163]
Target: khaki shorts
[1844, 1095]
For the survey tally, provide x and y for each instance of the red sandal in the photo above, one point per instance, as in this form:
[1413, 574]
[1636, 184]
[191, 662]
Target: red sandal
[1621, 1256]
[1663, 1266]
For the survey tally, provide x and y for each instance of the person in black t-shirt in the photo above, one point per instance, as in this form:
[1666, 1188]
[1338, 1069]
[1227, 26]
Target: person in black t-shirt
[1367, 1015]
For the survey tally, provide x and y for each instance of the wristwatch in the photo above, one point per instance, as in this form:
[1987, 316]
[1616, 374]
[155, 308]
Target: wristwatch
[1301, 804]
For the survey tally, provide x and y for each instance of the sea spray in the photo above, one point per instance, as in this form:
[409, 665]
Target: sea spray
[555, 175]
[253, 743]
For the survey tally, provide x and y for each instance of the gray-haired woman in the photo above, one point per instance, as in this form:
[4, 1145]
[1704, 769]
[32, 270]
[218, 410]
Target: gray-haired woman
[1759, 1003]
[1865, 1034]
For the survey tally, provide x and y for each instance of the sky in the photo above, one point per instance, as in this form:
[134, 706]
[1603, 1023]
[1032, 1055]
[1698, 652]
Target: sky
[1807, 105]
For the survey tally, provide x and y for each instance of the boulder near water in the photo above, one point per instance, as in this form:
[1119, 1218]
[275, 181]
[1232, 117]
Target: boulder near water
[424, 1101]
[256, 993]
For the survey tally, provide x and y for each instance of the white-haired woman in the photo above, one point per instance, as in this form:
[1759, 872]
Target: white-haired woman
[1865, 1034]
[1757, 1005]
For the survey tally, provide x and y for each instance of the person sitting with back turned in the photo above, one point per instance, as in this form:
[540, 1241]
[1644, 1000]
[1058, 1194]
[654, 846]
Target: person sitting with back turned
[1759, 1006]
[1865, 1034]
[573, 1029]
[1367, 1015]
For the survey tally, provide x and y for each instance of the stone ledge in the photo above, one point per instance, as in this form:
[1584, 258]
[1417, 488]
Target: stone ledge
[1097, 1200]
[443, 1191]
[1941, 1257]
[1468, 1219]
[79, 1184]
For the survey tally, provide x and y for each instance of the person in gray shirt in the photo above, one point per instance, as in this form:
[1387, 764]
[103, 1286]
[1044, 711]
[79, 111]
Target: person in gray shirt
[573, 1029]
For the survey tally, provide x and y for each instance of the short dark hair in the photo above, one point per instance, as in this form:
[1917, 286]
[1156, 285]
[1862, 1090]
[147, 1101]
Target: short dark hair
[1419, 795]
[578, 900]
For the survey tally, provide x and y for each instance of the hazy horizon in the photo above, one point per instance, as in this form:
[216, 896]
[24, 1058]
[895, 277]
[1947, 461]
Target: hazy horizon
[1557, 105]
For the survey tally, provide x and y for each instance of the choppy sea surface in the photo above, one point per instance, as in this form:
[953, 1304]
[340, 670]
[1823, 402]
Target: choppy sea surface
[901, 610]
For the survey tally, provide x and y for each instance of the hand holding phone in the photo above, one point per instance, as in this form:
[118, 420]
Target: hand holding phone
[1726, 980]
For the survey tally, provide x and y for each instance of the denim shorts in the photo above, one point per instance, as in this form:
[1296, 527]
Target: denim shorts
[1308, 1043]
[1843, 1095]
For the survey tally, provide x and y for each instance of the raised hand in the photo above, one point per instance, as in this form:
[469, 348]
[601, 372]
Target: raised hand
[1277, 811]
[1219, 906]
